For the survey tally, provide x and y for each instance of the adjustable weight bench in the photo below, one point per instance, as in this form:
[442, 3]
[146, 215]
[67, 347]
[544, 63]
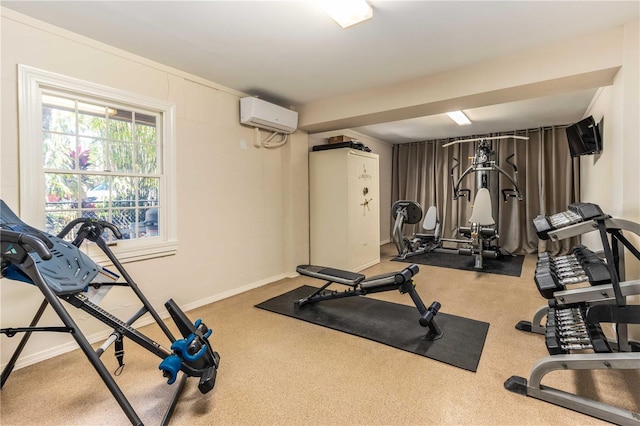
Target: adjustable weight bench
[64, 273]
[360, 285]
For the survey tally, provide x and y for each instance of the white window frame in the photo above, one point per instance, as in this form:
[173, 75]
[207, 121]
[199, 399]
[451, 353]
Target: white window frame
[31, 83]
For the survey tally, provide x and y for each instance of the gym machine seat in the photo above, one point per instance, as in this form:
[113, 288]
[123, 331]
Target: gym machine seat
[431, 225]
[481, 211]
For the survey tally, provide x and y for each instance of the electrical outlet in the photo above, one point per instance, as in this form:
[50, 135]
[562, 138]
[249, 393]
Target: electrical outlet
[243, 144]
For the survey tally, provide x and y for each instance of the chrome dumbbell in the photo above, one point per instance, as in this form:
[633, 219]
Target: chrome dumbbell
[576, 346]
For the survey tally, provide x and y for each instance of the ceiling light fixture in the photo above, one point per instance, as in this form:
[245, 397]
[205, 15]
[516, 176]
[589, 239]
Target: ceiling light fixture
[459, 117]
[348, 12]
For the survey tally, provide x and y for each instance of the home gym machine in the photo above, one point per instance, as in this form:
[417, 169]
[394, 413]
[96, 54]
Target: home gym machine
[62, 272]
[481, 236]
[482, 232]
[584, 291]
[409, 213]
[360, 285]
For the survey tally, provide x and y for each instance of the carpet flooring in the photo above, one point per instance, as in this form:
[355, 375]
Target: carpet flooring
[275, 370]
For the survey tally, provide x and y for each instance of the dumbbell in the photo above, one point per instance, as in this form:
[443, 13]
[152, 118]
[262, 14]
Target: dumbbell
[547, 283]
[575, 346]
[564, 275]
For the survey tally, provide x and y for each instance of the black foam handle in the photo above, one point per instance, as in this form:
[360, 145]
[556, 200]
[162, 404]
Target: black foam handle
[406, 274]
[113, 228]
[413, 268]
[85, 220]
[426, 319]
[37, 244]
[22, 239]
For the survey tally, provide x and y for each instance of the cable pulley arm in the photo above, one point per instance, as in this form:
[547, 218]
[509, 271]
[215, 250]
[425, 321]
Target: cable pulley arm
[457, 192]
[515, 192]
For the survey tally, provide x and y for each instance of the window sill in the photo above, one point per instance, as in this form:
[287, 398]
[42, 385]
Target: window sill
[127, 252]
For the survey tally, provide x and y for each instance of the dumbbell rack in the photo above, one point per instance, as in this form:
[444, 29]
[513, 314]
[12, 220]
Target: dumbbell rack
[575, 214]
[573, 315]
[567, 330]
[559, 227]
[581, 266]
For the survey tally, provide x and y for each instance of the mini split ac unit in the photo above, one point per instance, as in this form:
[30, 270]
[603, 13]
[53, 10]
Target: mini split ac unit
[264, 115]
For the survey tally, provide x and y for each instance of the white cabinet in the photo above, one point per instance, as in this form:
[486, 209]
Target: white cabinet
[344, 197]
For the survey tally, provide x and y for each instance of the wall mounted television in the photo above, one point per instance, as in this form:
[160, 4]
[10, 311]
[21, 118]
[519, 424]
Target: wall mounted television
[585, 137]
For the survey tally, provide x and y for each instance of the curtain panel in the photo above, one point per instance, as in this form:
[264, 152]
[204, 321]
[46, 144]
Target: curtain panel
[548, 178]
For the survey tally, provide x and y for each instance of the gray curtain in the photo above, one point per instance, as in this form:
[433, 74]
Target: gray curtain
[547, 176]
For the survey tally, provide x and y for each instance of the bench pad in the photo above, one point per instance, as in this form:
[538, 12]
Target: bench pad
[331, 274]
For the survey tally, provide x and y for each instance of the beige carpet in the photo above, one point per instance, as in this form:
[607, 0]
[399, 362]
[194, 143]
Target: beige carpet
[277, 370]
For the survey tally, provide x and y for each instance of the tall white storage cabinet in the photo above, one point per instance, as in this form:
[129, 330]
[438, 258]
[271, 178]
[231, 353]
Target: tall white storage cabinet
[344, 198]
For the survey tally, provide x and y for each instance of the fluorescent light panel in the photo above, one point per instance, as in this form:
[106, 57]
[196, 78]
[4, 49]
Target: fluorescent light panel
[459, 117]
[348, 12]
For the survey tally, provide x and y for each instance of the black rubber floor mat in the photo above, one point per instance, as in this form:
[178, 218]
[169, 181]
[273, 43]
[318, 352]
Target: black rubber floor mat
[391, 324]
[504, 265]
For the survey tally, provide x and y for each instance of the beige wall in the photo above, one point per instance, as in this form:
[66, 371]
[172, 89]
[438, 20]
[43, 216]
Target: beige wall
[242, 214]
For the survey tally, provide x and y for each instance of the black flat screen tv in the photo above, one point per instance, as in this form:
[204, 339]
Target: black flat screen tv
[584, 138]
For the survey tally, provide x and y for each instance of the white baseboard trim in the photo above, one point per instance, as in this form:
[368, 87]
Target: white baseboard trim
[216, 297]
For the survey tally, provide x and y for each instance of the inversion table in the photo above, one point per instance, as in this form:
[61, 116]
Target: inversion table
[62, 272]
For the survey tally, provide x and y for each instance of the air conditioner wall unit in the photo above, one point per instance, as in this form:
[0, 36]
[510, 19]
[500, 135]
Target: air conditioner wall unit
[265, 115]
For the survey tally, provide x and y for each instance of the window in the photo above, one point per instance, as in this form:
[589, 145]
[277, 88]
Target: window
[91, 151]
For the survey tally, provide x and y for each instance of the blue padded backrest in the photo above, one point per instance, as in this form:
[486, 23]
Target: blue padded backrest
[68, 271]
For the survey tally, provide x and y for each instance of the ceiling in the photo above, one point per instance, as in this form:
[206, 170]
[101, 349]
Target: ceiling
[291, 53]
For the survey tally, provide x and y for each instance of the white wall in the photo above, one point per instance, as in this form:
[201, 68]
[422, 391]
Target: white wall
[612, 179]
[384, 151]
[242, 214]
